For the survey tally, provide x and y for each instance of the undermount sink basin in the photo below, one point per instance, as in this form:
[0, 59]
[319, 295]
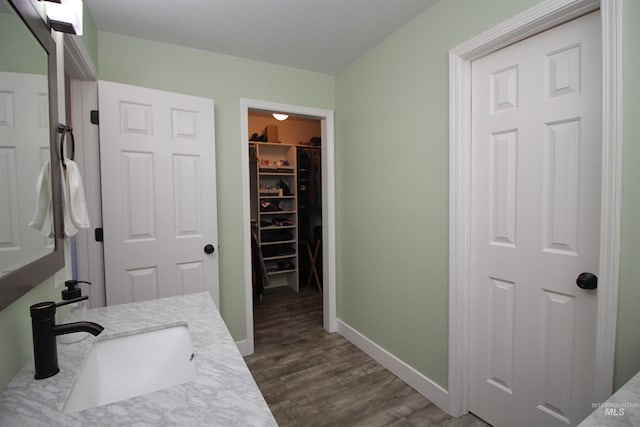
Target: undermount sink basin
[127, 366]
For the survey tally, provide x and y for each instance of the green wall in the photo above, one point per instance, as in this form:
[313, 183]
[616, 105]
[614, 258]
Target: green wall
[392, 185]
[20, 50]
[392, 155]
[226, 79]
[628, 335]
[89, 35]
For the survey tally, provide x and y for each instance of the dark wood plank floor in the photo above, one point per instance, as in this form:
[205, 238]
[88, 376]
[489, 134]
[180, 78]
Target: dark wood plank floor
[312, 378]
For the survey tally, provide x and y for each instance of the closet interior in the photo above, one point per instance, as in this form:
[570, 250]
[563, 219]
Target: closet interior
[286, 202]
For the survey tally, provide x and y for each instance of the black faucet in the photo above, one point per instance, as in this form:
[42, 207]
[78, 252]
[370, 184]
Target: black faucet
[45, 330]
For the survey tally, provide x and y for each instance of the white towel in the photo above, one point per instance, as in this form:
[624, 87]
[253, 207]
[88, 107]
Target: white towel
[75, 208]
[43, 214]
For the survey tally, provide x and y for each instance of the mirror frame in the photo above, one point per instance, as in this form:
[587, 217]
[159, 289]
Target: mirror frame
[22, 280]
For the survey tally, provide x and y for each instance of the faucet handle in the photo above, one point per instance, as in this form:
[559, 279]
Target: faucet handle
[70, 301]
[47, 309]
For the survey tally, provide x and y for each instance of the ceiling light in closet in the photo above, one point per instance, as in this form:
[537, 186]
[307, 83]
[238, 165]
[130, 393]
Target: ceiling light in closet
[280, 116]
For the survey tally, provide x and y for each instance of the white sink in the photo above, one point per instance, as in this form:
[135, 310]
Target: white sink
[132, 365]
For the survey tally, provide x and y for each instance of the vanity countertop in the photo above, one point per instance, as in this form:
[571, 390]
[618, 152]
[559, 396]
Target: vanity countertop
[223, 394]
[621, 409]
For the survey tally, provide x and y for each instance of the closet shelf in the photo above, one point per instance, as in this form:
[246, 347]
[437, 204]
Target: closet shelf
[277, 227]
[272, 258]
[277, 212]
[276, 173]
[274, 179]
[273, 273]
[277, 242]
[277, 197]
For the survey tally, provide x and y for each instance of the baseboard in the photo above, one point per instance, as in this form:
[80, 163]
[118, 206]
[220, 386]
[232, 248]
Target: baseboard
[423, 385]
[244, 347]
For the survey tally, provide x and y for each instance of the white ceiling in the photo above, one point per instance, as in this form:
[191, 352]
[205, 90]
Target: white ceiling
[316, 35]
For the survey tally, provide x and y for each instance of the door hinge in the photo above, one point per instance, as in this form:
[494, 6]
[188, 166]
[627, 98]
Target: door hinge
[99, 235]
[94, 117]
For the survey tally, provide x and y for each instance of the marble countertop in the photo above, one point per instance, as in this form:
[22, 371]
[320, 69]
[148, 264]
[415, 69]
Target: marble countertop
[223, 394]
[621, 409]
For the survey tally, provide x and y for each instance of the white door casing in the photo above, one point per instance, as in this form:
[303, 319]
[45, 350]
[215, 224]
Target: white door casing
[89, 253]
[537, 19]
[83, 97]
[535, 220]
[330, 322]
[157, 154]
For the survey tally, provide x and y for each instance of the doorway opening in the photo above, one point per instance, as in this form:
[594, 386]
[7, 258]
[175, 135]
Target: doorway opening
[285, 202]
[288, 201]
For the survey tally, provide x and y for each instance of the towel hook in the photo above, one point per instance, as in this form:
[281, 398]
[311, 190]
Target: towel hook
[62, 130]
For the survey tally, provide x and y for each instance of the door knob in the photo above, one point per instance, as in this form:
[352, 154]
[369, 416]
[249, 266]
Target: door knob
[587, 281]
[209, 249]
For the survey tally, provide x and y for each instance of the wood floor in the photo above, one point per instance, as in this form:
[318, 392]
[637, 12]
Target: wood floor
[312, 378]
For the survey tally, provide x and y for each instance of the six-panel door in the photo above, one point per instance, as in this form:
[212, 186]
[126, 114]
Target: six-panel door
[158, 193]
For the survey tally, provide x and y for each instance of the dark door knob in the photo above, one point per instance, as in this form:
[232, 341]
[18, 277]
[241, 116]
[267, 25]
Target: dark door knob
[587, 281]
[209, 249]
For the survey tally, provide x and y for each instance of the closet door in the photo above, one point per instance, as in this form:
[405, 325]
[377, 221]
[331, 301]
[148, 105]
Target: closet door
[536, 179]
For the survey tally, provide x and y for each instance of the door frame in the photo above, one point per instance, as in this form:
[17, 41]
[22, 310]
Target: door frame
[328, 210]
[89, 253]
[84, 98]
[547, 14]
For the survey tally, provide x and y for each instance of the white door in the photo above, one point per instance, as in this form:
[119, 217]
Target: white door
[24, 150]
[536, 172]
[157, 156]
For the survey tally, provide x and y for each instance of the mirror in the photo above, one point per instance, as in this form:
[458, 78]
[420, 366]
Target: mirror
[30, 203]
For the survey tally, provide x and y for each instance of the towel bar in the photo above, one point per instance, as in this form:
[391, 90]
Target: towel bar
[62, 130]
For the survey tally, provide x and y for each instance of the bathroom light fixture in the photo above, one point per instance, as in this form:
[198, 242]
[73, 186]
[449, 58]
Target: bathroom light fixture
[65, 15]
[280, 116]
